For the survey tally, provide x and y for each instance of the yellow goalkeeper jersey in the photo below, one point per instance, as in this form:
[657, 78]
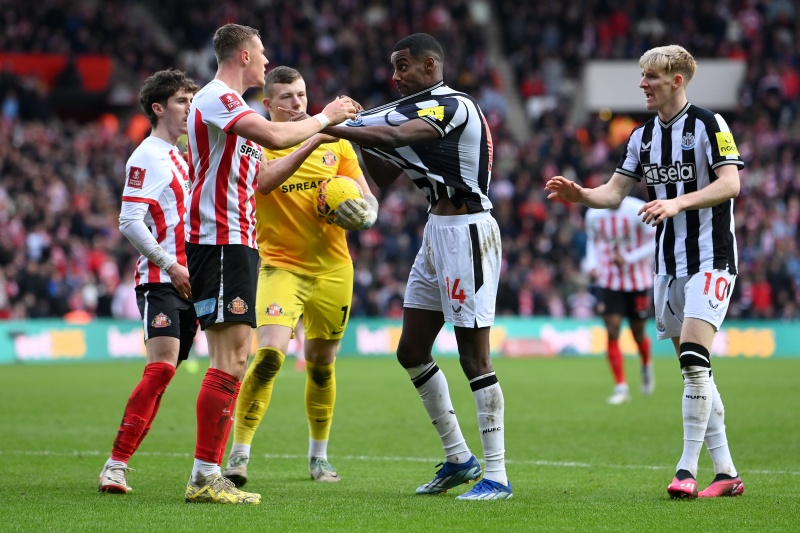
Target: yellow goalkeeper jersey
[290, 234]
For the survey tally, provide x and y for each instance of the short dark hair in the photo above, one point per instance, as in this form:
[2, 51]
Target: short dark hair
[282, 75]
[228, 39]
[421, 45]
[159, 87]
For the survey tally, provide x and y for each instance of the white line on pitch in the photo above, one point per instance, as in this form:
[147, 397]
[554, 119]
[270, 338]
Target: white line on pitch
[385, 459]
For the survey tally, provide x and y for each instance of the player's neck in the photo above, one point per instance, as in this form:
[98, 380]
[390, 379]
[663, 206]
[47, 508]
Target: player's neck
[231, 78]
[161, 132]
[672, 108]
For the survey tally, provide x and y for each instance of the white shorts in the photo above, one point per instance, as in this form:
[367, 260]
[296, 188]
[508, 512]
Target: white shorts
[457, 269]
[704, 295]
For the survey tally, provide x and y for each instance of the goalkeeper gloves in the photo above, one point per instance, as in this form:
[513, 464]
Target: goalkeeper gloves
[355, 214]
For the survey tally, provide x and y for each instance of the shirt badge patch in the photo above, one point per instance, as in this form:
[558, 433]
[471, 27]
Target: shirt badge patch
[436, 112]
[274, 309]
[231, 101]
[161, 321]
[687, 142]
[237, 306]
[726, 144]
[329, 159]
[136, 177]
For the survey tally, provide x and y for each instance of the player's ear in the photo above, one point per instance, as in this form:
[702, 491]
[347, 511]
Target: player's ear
[267, 104]
[158, 109]
[677, 81]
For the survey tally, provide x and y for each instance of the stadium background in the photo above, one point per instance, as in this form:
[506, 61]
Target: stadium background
[69, 120]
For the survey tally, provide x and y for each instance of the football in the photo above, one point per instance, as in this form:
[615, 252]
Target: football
[332, 192]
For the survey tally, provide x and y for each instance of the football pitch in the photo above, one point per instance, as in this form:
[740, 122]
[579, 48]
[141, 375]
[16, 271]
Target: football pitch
[576, 463]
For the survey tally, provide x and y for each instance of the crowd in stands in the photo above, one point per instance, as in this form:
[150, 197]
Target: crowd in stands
[60, 182]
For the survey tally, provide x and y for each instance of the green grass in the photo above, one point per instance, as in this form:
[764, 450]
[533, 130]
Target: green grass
[576, 464]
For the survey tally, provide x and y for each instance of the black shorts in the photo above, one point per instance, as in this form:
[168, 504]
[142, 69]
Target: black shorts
[165, 313]
[634, 305]
[223, 279]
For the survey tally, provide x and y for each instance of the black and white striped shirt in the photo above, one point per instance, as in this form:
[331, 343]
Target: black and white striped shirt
[458, 165]
[676, 158]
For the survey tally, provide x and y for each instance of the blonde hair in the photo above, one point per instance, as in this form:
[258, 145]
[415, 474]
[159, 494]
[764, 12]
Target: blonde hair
[672, 59]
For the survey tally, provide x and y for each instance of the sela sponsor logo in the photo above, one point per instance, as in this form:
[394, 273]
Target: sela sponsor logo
[329, 159]
[274, 309]
[136, 177]
[726, 144]
[205, 307]
[491, 430]
[231, 101]
[687, 143]
[161, 321]
[663, 175]
[646, 146]
[237, 306]
[245, 150]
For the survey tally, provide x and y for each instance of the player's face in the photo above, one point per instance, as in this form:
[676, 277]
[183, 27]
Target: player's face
[286, 96]
[176, 112]
[658, 88]
[256, 68]
[409, 75]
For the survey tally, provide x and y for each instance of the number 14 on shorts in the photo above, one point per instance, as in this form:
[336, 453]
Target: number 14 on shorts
[455, 293]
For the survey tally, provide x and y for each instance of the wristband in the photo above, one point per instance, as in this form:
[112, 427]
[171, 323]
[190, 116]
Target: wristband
[322, 119]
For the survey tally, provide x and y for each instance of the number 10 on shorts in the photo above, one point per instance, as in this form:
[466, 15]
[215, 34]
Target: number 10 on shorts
[720, 287]
[455, 293]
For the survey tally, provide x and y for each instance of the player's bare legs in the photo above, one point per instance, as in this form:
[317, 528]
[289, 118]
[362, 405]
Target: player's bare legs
[140, 411]
[703, 414]
[420, 328]
[228, 350]
[475, 359]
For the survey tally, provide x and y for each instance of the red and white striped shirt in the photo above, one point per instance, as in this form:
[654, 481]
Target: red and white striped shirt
[223, 169]
[157, 175]
[612, 232]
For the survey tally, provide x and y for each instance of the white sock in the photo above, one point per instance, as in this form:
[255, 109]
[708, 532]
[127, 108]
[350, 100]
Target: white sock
[716, 438]
[205, 469]
[491, 409]
[317, 448]
[696, 408]
[435, 394]
[240, 449]
[112, 463]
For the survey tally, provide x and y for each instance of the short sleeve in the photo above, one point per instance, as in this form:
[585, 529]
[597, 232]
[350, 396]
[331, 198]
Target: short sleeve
[223, 107]
[444, 114]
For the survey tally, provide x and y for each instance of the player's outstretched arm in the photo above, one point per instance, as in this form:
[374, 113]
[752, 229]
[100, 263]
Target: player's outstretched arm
[410, 132]
[273, 173]
[608, 195]
[279, 135]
